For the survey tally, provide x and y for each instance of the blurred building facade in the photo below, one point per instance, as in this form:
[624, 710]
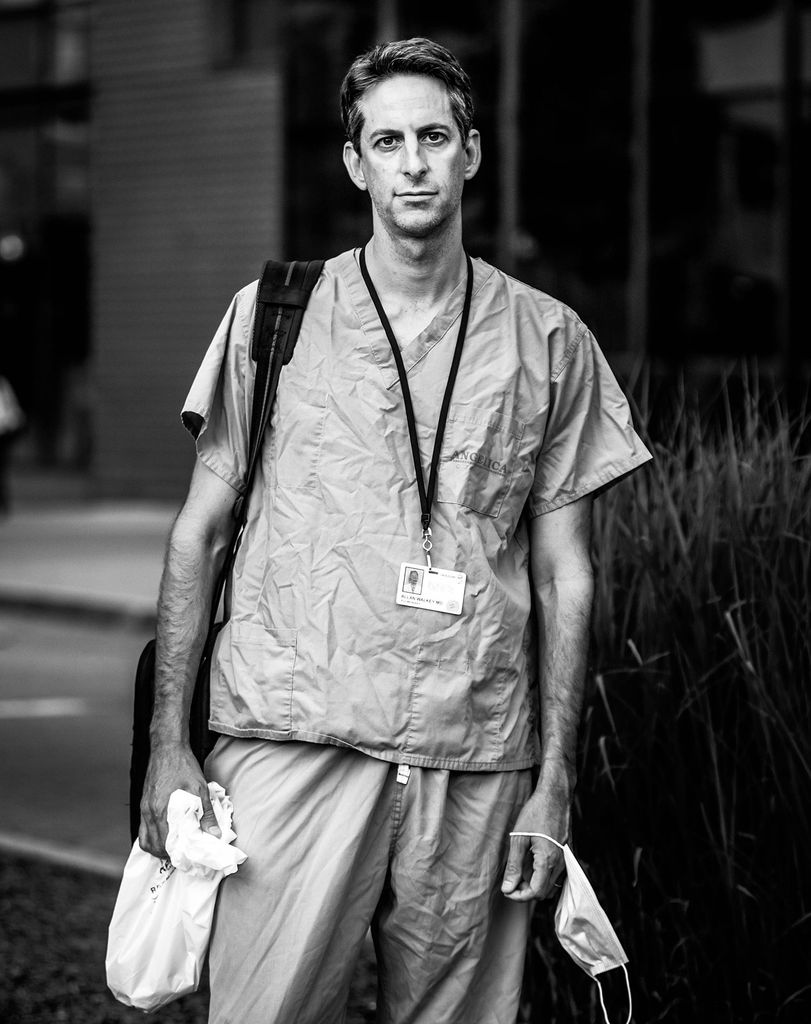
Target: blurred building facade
[187, 198]
[643, 161]
[44, 220]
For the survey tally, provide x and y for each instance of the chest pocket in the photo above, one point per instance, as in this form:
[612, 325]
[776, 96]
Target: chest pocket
[478, 459]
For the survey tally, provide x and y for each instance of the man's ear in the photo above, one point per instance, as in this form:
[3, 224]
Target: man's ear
[473, 153]
[354, 167]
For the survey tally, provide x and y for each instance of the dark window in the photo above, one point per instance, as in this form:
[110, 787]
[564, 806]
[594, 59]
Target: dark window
[246, 32]
[756, 168]
[44, 218]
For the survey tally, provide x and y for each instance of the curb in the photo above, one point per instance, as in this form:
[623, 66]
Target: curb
[129, 612]
[76, 857]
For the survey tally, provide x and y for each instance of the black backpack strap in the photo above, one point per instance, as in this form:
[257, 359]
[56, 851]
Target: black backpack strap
[281, 298]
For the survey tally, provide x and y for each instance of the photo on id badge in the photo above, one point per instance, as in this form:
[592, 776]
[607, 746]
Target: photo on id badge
[412, 583]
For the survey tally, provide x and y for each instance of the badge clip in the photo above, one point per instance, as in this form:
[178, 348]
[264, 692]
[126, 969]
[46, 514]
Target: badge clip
[427, 544]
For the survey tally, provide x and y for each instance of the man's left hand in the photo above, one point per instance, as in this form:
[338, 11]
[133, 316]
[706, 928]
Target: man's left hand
[535, 864]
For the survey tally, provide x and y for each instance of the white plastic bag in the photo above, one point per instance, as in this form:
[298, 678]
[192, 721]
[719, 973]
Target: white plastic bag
[158, 936]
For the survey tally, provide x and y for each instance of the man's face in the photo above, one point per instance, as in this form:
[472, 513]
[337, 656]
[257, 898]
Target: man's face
[412, 160]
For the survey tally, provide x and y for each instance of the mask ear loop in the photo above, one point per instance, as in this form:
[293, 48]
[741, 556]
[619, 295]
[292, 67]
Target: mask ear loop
[537, 835]
[630, 998]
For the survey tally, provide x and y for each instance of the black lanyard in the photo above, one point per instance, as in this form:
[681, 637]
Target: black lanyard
[426, 497]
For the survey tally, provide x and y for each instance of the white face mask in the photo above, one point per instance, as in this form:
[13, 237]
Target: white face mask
[582, 926]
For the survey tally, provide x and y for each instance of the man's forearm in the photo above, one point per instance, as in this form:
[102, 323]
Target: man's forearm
[193, 559]
[194, 555]
[564, 621]
[564, 587]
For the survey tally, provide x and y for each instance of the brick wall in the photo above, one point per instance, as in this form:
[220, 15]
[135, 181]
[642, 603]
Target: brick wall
[187, 172]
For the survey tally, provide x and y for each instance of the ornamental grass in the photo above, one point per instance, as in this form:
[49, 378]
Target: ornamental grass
[693, 810]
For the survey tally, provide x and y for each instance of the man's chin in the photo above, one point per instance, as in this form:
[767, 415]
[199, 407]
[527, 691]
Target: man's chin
[419, 225]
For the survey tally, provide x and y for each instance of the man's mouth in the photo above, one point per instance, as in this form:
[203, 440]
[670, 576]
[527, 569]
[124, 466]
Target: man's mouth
[414, 195]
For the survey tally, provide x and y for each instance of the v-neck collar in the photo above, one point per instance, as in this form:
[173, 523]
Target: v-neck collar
[412, 351]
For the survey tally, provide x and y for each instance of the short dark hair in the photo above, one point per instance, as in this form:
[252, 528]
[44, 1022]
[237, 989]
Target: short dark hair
[417, 56]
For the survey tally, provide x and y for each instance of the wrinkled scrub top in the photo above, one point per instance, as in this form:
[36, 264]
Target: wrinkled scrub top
[316, 648]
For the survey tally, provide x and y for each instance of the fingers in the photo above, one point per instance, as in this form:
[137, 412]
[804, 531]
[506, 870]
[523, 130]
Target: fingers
[167, 772]
[152, 834]
[547, 868]
[154, 827]
[208, 823]
[513, 881]
[532, 870]
[151, 838]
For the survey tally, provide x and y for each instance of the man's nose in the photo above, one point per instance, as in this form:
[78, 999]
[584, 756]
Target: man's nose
[414, 164]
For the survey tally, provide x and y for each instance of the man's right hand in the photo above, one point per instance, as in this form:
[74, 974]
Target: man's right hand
[171, 767]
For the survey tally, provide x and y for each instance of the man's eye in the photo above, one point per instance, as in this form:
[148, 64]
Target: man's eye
[386, 142]
[434, 137]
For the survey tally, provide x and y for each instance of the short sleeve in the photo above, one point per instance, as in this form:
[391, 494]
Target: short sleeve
[217, 408]
[589, 441]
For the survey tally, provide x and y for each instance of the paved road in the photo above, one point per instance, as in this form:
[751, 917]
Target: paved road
[65, 719]
[103, 556]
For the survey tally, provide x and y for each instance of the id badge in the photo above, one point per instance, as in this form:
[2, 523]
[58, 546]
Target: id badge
[438, 590]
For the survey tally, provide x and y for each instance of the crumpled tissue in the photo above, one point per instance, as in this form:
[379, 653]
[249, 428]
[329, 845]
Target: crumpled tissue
[193, 850]
[161, 924]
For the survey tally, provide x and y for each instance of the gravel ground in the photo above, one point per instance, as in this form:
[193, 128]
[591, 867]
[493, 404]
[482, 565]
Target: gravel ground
[53, 938]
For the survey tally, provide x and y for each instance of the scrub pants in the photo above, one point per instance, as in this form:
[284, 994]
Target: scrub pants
[336, 844]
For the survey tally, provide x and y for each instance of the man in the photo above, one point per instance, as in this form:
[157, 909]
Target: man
[380, 745]
[414, 580]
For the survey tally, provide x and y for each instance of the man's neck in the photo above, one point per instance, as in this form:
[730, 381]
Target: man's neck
[416, 273]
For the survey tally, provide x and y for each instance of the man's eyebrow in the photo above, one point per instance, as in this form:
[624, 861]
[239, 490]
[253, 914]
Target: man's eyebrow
[384, 133]
[436, 125]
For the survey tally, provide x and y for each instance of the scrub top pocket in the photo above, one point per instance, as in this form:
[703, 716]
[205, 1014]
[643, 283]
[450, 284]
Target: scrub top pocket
[252, 683]
[479, 453]
[459, 706]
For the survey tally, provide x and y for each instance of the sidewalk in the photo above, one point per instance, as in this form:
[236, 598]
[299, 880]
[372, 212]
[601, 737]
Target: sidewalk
[79, 565]
[94, 559]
